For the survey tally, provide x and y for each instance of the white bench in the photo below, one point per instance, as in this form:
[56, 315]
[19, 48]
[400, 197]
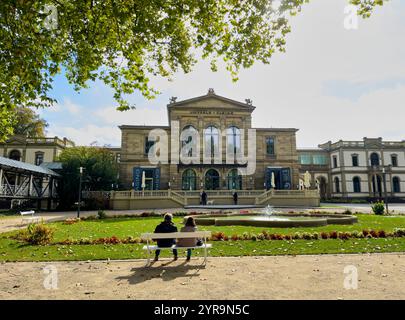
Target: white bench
[149, 237]
[29, 216]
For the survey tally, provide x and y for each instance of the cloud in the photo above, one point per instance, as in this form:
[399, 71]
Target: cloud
[103, 135]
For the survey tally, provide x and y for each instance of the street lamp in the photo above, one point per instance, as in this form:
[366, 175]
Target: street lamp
[80, 192]
[385, 189]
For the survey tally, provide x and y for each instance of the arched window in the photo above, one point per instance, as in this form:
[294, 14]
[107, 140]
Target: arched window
[212, 180]
[396, 185]
[189, 180]
[337, 185]
[375, 159]
[211, 142]
[234, 180]
[356, 185]
[233, 140]
[189, 140]
[15, 155]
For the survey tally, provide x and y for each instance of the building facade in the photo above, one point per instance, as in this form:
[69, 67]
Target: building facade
[34, 150]
[368, 169]
[216, 125]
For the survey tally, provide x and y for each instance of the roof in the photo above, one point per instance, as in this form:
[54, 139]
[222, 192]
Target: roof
[23, 166]
[52, 165]
[211, 94]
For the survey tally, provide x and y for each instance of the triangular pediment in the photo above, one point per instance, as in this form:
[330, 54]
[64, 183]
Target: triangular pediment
[212, 101]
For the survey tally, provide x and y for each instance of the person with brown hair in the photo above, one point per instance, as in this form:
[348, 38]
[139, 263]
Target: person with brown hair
[189, 226]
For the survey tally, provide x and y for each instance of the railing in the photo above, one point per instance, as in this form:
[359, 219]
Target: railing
[54, 140]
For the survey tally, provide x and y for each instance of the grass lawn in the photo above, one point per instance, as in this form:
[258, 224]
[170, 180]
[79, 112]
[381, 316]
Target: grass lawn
[12, 250]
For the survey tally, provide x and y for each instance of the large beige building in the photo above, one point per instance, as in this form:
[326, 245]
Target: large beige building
[220, 123]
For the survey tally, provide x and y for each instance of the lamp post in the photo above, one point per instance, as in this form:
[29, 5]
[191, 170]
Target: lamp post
[385, 189]
[80, 192]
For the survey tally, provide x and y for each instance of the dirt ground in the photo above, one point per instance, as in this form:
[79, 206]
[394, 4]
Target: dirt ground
[380, 276]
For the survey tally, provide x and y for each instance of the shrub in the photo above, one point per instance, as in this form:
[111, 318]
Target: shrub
[399, 232]
[71, 221]
[235, 237]
[287, 237]
[306, 236]
[378, 208]
[382, 234]
[324, 235]
[366, 233]
[38, 234]
[333, 235]
[348, 211]
[343, 235]
[296, 236]
[101, 214]
[315, 236]
[374, 233]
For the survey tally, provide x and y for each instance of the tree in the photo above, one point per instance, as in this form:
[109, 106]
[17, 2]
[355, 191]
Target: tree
[99, 172]
[125, 42]
[27, 122]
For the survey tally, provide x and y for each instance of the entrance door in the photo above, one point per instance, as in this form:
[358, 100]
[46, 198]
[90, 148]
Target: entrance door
[377, 189]
[152, 178]
[212, 180]
[282, 178]
[322, 187]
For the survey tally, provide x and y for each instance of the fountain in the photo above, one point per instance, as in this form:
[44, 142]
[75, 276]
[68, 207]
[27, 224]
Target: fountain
[269, 217]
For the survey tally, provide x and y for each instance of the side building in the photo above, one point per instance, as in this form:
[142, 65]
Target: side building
[370, 169]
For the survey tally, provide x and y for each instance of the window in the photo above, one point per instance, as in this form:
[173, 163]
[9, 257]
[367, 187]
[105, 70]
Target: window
[337, 185]
[335, 164]
[15, 155]
[189, 180]
[233, 140]
[374, 159]
[270, 146]
[212, 180]
[39, 158]
[319, 159]
[148, 144]
[356, 185]
[211, 142]
[234, 180]
[396, 186]
[305, 159]
[394, 160]
[355, 160]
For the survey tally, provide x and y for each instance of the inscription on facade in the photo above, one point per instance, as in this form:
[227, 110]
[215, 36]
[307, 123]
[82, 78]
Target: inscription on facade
[211, 112]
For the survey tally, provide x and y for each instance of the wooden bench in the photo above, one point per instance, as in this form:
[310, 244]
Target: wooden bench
[149, 237]
[28, 216]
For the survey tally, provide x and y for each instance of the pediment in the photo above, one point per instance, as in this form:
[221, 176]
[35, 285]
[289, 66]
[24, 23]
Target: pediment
[212, 101]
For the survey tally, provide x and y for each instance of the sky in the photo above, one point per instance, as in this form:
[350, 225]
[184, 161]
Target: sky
[332, 83]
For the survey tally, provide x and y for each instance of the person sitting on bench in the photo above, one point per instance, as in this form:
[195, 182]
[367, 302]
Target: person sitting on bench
[189, 226]
[166, 226]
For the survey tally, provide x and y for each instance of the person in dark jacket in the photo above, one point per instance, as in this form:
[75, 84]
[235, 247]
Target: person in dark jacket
[204, 198]
[166, 226]
[235, 198]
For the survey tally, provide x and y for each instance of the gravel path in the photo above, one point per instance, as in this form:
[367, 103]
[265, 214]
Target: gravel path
[380, 276]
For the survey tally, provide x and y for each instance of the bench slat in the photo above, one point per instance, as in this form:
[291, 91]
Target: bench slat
[176, 235]
[206, 245]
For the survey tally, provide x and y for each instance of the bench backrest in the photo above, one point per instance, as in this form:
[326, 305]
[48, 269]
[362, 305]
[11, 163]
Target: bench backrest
[176, 235]
[23, 213]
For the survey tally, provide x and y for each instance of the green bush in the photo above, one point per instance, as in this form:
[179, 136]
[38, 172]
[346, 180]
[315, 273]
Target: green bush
[378, 207]
[101, 214]
[37, 234]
